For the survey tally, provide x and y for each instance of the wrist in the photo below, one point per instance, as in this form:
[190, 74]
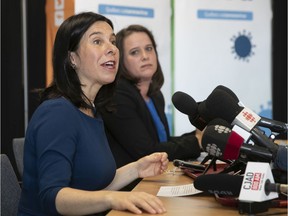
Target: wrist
[134, 170]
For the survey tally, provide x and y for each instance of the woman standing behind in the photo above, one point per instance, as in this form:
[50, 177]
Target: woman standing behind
[68, 166]
[139, 126]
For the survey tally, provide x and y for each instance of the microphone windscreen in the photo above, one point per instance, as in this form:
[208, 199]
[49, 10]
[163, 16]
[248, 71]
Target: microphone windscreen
[222, 184]
[185, 103]
[219, 121]
[222, 105]
[228, 91]
[214, 139]
[204, 112]
[222, 142]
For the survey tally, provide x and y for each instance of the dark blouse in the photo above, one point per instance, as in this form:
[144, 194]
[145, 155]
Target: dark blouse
[63, 148]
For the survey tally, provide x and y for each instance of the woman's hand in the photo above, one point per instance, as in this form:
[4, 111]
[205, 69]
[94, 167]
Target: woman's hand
[153, 164]
[199, 135]
[136, 202]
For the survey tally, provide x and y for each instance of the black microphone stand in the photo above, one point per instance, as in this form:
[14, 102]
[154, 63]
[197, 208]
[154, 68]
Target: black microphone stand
[212, 162]
[237, 166]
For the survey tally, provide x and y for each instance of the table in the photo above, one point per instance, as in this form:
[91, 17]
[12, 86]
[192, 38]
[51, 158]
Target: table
[199, 204]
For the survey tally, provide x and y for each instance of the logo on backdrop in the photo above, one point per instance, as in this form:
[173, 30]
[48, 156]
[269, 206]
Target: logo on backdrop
[126, 11]
[242, 47]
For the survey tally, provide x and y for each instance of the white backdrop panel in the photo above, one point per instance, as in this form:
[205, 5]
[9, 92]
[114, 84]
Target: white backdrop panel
[223, 42]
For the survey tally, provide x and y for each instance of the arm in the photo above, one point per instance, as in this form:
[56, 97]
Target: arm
[71, 201]
[147, 166]
[78, 202]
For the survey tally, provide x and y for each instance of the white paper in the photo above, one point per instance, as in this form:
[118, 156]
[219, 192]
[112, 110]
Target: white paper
[181, 190]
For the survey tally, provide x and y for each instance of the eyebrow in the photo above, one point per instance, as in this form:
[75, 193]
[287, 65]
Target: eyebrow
[100, 33]
[137, 47]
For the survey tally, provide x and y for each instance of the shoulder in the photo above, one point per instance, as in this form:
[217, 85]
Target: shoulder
[124, 84]
[55, 111]
[55, 119]
[58, 105]
[126, 90]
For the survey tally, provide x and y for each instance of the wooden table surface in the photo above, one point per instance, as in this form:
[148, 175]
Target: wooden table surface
[199, 204]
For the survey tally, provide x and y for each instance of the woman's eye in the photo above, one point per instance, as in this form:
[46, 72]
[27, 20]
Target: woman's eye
[149, 48]
[134, 52]
[97, 41]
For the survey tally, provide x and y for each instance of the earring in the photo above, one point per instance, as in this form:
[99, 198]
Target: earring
[73, 66]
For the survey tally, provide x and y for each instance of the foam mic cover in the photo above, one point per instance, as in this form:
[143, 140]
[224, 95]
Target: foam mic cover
[222, 142]
[228, 91]
[219, 121]
[220, 104]
[212, 107]
[222, 184]
[185, 103]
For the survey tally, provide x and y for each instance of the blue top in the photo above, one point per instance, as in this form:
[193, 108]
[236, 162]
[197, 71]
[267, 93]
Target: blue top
[157, 121]
[63, 148]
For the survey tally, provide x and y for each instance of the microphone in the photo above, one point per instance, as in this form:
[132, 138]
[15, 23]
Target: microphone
[222, 105]
[184, 103]
[187, 105]
[222, 184]
[202, 106]
[199, 118]
[230, 185]
[275, 187]
[228, 91]
[222, 142]
[273, 125]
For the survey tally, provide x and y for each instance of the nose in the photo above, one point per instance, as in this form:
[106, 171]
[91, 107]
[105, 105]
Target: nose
[112, 49]
[144, 56]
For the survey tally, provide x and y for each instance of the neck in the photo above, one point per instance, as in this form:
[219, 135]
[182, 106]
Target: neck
[144, 88]
[89, 112]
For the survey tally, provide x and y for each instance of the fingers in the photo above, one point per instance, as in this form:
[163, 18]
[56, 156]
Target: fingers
[136, 202]
[163, 158]
[145, 202]
[151, 165]
[164, 161]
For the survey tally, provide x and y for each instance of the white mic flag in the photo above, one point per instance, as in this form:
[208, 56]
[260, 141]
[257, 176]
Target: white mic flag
[247, 119]
[253, 185]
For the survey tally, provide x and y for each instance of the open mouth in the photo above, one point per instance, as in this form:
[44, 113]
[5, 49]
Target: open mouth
[109, 64]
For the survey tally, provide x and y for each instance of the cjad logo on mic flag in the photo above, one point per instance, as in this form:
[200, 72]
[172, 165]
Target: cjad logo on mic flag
[253, 185]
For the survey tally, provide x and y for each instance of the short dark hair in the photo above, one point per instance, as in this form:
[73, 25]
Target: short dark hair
[65, 80]
[158, 77]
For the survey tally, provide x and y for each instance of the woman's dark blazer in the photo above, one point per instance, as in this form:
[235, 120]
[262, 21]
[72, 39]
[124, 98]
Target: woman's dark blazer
[131, 131]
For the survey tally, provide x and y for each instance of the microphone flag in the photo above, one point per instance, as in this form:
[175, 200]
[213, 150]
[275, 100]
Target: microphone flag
[246, 119]
[253, 185]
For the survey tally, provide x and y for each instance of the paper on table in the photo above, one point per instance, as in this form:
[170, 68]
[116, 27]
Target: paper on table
[181, 190]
